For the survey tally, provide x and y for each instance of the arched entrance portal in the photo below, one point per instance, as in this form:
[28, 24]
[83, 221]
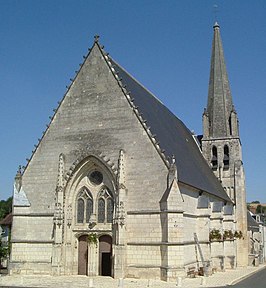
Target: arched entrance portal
[83, 255]
[105, 254]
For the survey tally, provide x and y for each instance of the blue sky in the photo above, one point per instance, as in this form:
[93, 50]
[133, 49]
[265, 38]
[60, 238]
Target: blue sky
[165, 44]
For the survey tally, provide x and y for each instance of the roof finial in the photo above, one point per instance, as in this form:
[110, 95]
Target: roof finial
[96, 38]
[18, 179]
[173, 159]
[215, 12]
[216, 25]
[19, 172]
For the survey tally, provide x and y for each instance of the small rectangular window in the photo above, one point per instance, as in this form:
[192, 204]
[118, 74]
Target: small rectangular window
[203, 201]
[228, 209]
[217, 206]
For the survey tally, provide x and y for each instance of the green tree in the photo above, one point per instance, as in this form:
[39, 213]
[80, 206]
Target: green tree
[5, 207]
[3, 251]
[260, 209]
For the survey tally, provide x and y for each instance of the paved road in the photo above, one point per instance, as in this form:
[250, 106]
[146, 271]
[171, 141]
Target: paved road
[257, 280]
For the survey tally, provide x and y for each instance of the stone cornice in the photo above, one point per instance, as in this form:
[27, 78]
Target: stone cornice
[182, 243]
[150, 212]
[33, 215]
[32, 241]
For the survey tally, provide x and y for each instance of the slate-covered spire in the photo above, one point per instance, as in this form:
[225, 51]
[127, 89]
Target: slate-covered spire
[220, 118]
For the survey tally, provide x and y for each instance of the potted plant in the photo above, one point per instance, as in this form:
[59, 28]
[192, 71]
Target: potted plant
[228, 235]
[92, 238]
[238, 234]
[215, 234]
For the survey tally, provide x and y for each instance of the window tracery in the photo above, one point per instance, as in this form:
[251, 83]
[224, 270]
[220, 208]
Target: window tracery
[105, 206]
[84, 206]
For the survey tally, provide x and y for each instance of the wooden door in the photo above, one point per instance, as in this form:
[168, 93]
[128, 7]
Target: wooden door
[83, 255]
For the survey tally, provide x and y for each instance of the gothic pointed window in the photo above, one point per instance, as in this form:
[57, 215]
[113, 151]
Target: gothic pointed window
[84, 206]
[101, 210]
[226, 157]
[110, 210]
[80, 211]
[89, 209]
[214, 159]
[105, 206]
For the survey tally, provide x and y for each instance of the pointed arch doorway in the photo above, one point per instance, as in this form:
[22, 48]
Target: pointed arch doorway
[83, 255]
[105, 255]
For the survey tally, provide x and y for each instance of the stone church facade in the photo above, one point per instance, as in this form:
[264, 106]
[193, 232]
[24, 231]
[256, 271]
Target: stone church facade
[118, 185]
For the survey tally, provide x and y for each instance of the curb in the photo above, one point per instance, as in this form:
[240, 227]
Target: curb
[241, 278]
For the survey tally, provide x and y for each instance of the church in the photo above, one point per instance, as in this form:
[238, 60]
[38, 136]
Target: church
[118, 186]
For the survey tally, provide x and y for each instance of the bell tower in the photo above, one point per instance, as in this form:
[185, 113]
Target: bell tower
[221, 145]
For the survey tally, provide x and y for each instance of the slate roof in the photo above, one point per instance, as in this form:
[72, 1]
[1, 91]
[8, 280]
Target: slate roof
[174, 137]
[7, 221]
[253, 225]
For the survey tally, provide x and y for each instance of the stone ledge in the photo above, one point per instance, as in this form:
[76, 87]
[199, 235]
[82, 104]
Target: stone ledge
[148, 212]
[34, 215]
[32, 241]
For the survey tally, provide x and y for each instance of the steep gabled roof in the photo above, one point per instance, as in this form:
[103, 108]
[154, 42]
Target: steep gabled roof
[171, 133]
[253, 225]
[173, 136]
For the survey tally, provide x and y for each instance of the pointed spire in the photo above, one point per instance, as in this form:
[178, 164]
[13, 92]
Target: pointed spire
[220, 105]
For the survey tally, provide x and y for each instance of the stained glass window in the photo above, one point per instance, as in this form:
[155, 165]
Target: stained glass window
[96, 177]
[101, 210]
[110, 209]
[80, 211]
[84, 206]
[89, 209]
[105, 206]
